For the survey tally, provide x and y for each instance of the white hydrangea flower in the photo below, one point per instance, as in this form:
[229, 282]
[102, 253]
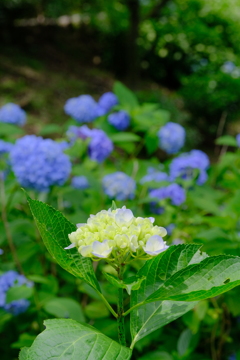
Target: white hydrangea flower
[118, 236]
[155, 245]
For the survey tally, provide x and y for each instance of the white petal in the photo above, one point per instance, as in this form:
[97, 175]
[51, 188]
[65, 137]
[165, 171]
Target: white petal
[70, 246]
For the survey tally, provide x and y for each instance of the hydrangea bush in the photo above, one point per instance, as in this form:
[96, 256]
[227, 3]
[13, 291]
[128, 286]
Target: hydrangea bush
[122, 267]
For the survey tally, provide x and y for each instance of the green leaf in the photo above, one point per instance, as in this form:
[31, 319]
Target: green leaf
[114, 206]
[125, 96]
[131, 283]
[69, 340]
[65, 308]
[96, 310]
[54, 229]
[124, 137]
[213, 276]
[226, 140]
[152, 316]
[9, 129]
[186, 342]
[18, 292]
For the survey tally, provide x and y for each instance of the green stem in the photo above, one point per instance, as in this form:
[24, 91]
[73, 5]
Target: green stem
[7, 228]
[132, 308]
[120, 319]
[108, 305]
[120, 310]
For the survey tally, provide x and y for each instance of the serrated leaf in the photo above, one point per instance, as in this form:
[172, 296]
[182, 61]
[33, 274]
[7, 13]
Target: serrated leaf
[70, 340]
[125, 96]
[213, 276]
[65, 308]
[54, 229]
[152, 316]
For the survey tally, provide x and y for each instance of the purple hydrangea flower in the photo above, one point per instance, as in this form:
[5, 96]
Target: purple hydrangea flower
[170, 228]
[39, 163]
[8, 280]
[238, 140]
[154, 175]
[82, 108]
[107, 101]
[120, 120]
[80, 182]
[171, 137]
[119, 186]
[184, 165]
[5, 147]
[173, 191]
[12, 114]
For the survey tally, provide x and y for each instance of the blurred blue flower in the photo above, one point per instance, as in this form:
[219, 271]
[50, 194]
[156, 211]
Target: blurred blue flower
[171, 137]
[99, 147]
[174, 192]
[5, 147]
[154, 175]
[1, 251]
[238, 140]
[82, 108]
[184, 165]
[80, 182]
[228, 67]
[39, 163]
[232, 357]
[107, 101]
[8, 280]
[170, 228]
[12, 114]
[120, 120]
[119, 186]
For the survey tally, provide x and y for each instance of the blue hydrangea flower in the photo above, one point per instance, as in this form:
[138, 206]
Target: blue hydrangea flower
[170, 228]
[8, 280]
[1, 251]
[120, 120]
[80, 182]
[184, 166]
[12, 114]
[174, 192]
[82, 108]
[107, 101]
[5, 147]
[99, 147]
[154, 175]
[39, 163]
[119, 186]
[238, 140]
[171, 137]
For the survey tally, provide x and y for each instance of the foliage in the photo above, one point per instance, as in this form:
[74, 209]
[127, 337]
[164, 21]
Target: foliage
[171, 286]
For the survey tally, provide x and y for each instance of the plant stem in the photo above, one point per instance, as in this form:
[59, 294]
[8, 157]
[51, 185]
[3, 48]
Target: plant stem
[132, 308]
[108, 305]
[7, 228]
[120, 311]
[120, 319]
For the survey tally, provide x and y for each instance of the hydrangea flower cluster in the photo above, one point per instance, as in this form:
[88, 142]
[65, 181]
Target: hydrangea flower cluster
[154, 175]
[80, 182]
[12, 114]
[5, 147]
[184, 165]
[171, 137]
[39, 163]
[120, 120]
[119, 186]
[8, 280]
[238, 140]
[82, 108]
[107, 101]
[118, 236]
[173, 191]
[99, 147]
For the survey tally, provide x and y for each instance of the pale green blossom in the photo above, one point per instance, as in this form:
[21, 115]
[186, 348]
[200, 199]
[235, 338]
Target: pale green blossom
[117, 236]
